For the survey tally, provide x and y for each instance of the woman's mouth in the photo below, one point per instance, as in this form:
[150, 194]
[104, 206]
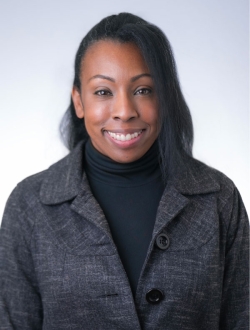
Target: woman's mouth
[124, 137]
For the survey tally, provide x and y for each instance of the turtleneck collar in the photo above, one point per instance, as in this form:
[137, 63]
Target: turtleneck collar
[102, 168]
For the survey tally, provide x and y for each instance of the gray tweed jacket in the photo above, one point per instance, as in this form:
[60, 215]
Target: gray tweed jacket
[59, 267]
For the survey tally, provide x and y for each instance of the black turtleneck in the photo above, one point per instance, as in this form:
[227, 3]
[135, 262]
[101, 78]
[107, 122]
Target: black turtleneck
[129, 195]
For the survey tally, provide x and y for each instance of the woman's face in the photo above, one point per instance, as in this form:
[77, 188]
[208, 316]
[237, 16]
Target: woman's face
[117, 101]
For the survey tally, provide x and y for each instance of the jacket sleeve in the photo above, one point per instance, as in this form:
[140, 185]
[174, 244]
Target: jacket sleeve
[20, 302]
[235, 295]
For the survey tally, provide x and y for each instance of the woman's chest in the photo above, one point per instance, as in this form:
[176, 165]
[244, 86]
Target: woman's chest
[80, 273]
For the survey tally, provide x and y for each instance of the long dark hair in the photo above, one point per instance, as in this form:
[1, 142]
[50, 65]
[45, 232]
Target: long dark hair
[175, 139]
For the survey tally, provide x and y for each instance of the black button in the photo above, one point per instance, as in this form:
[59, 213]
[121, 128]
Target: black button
[162, 241]
[154, 296]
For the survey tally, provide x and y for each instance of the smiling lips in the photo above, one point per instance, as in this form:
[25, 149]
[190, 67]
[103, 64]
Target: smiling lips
[124, 137]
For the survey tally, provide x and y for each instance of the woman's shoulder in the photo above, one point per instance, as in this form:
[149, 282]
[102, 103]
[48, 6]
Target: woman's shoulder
[194, 176]
[205, 170]
[209, 181]
[49, 185]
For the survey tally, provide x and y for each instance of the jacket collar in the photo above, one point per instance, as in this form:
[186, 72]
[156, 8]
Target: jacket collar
[63, 180]
[194, 177]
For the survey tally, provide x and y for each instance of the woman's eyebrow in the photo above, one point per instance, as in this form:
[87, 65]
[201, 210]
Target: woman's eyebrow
[139, 76]
[101, 76]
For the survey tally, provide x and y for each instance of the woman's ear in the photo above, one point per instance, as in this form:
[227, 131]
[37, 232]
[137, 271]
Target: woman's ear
[76, 98]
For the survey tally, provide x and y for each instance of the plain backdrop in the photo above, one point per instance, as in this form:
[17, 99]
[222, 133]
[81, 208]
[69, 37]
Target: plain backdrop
[38, 42]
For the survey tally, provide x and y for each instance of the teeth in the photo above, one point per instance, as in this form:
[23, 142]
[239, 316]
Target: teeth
[128, 137]
[122, 137]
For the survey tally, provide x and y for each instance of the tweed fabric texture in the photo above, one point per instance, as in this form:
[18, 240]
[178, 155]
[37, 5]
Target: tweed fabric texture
[59, 267]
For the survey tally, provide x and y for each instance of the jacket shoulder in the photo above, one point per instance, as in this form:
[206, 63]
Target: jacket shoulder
[60, 182]
[226, 192]
[32, 184]
[206, 170]
[195, 177]
[27, 192]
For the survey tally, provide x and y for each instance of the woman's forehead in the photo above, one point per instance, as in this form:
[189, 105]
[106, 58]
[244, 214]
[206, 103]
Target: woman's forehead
[109, 57]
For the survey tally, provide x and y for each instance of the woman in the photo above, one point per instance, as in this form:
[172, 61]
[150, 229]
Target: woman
[128, 231]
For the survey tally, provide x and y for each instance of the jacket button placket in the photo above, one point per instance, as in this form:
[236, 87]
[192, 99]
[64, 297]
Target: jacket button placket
[155, 296]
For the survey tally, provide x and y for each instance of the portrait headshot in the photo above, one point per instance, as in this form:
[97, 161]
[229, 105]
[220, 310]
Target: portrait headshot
[125, 165]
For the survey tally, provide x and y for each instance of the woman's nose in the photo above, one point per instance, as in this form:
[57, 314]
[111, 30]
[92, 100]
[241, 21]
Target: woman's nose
[124, 108]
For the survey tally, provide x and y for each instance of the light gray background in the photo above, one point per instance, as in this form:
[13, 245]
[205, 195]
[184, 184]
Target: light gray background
[38, 42]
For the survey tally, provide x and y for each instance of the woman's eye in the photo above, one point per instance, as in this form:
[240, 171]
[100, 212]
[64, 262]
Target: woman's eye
[103, 92]
[143, 91]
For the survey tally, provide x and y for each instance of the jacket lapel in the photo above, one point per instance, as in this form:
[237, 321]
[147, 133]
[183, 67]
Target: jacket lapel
[171, 204]
[86, 205]
[190, 201]
[66, 181]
